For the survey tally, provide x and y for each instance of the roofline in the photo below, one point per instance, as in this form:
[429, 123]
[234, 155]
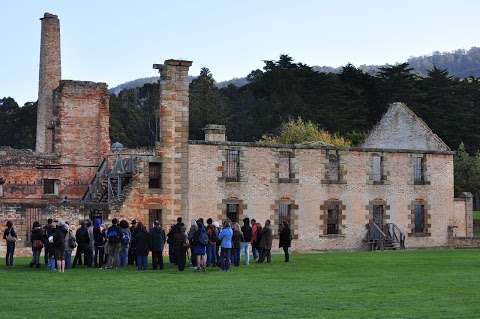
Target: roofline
[325, 147]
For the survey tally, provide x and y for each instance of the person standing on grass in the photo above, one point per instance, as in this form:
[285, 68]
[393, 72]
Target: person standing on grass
[171, 233]
[141, 242]
[253, 241]
[258, 238]
[91, 246]
[36, 239]
[225, 238]
[131, 249]
[126, 247]
[200, 242]
[83, 241]
[191, 233]
[10, 237]
[212, 243]
[47, 232]
[285, 239]
[180, 245]
[157, 237]
[247, 238]
[59, 245]
[266, 243]
[114, 238]
[217, 246]
[99, 239]
[237, 239]
[70, 244]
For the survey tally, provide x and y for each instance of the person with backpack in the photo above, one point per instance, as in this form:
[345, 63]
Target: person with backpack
[212, 243]
[114, 244]
[157, 236]
[225, 238]
[47, 232]
[70, 245]
[266, 243]
[247, 238]
[83, 242]
[59, 245]
[126, 248]
[199, 245]
[141, 243]
[285, 239]
[180, 246]
[10, 237]
[99, 238]
[237, 239]
[36, 239]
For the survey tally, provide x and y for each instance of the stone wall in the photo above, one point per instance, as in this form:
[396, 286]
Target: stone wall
[400, 128]
[81, 132]
[462, 218]
[259, 191]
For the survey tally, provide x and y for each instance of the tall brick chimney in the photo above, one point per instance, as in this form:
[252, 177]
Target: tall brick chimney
[49, 79]
[172, 147]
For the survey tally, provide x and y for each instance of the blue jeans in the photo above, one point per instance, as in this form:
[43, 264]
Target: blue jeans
[67, 256]
[244, 252]
[142, 262]
[51, 263]
[236, 257]
[124, 256]
[10, 252]
[225, 258]
[211, 254]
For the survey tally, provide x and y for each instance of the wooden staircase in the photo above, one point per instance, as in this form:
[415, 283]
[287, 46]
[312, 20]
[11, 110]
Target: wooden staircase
[390, 237]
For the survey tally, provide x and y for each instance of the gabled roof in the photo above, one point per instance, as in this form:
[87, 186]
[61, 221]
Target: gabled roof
[400, 128]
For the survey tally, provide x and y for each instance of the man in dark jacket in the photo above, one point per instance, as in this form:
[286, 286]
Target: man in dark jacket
[47, 232]
[266, 243]
[157, 237]
[141, 240]
[83, 241]
[131, 248]
[170, 235]
[247, 237]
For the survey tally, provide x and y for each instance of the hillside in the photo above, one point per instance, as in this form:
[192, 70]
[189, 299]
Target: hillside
[459, 63]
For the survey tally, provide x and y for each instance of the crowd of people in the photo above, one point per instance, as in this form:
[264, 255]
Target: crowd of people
[122, 244]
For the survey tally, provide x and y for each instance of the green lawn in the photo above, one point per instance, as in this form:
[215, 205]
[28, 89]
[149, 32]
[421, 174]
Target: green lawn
[403, 284]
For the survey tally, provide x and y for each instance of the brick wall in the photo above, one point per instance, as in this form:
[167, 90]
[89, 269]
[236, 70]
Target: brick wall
[259, 191]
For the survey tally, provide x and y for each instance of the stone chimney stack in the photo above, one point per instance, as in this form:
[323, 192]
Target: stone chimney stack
[49, 79]
[214, 133]
[172, 146]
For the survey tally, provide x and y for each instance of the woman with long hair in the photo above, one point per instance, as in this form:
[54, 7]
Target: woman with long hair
[285, 239]
[36, 239]
[10, 237]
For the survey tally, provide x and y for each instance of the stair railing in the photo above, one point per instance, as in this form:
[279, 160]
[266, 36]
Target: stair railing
[396, 234]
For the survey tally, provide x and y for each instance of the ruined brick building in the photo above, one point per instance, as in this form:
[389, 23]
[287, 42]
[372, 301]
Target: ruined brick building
[401, 177]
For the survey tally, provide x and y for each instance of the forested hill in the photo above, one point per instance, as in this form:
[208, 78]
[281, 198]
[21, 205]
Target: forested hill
[459, 63]
[349, 103]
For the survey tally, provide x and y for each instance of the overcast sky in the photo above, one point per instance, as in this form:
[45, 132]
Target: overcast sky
[117, 41]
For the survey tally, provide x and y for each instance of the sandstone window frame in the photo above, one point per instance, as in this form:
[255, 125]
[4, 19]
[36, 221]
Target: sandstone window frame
[285, 171]
[232, 165]
[328, 205]
[275, 216]
[232, 201]
[154, 175]
[426, 215]
[377, 174]
[419, 170]
[51, 186]
[372, 204]
[241, 174]
[334, 168]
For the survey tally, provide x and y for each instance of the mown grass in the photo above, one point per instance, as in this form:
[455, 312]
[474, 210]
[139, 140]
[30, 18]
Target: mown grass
[402, 284]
